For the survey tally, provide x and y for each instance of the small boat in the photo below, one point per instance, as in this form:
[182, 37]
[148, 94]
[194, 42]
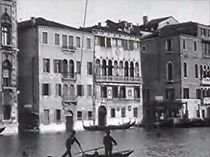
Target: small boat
[109, 127]
[2, 129]
[124, 153]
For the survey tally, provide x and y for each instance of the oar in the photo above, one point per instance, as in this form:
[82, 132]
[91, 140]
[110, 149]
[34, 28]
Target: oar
[89, 150]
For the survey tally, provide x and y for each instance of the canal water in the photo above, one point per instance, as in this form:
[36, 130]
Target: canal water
[166, 143]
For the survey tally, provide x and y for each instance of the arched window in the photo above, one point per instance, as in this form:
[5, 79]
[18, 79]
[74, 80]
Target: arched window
[126, 69]
[121, 68]
[71, 69]
[65, 68]
[6, 26]
[98, 67]
[104, 67]
[7, 71]
[109, 68]
[185, 69]
[65, 92]
[196, 71]
[136, 69]
[72, 90]
[169, 71]
[131, 69]
[115, 68]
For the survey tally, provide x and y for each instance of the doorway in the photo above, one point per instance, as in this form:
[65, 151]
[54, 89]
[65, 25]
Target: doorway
[102, 112]
[69, 120]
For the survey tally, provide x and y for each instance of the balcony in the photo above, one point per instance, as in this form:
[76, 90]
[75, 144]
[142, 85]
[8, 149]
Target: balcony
[118, 79]
[69, 77]
[206, 100]
[70, 99]
[205, 81]
[68, 49]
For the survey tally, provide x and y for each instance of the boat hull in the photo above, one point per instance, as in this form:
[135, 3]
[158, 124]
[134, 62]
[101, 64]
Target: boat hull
[2, 129]
[115, 154]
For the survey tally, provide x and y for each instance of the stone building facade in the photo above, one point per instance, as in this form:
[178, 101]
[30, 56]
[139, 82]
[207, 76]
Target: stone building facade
[55, 74]
[118, 79]
[8, 66]
[180, 70]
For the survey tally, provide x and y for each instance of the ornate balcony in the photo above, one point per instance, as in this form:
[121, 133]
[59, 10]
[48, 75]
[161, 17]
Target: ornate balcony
[69, 77]
[205, 81]
[118, 79]
[70, 99]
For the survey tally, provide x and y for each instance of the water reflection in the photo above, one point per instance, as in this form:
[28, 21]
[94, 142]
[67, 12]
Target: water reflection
[171, 143]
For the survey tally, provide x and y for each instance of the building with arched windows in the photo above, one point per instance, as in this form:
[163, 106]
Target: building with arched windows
[55, 75]
[118, 79]
[8, 66]
[175, 72]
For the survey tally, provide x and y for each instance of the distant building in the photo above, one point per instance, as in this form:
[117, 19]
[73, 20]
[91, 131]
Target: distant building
[55, 75]
[118, 78]
[175, 69]
[8, 66]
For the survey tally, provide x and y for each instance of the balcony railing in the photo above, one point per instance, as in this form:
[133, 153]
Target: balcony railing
[69, 76]
[205, 81]
[69, 99]
[119, 79]
[69, 49]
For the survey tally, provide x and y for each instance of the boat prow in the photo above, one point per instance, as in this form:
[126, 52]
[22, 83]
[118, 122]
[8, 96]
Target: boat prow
[2, 129]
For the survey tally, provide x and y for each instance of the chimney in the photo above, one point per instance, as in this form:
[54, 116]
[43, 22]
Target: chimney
[145, 19]
[33, 20]
[99, 23]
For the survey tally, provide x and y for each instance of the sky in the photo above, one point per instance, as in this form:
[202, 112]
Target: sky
[71, 12]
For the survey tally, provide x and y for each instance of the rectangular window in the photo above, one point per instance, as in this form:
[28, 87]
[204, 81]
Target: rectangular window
[123, 112]
[46, 65]
[57, 39]
[183, 44]
[131, 45]
[57, 89]
[45, 89]
[125, 44]
[198, 93]
[122, 92]
[64, 41]
[170, 94]
[196, 71]
[44, 38]
[136, 92]
[186, 93]
[115, 91]
[46, 116]
[71, 42]
[168, 45]
[203, 113]
[88, 43]
[78, 42]
[90, 115]
[112, 112]
[135, 112]
[89, 90]
[108, 42]
[78, 67]
[58, 115]
[89, 68]
[79, 115]
[198, 113]
[185, 69]
[57, 66]
[195, 46]
[103, 91]
[102, 41]
[80, 90]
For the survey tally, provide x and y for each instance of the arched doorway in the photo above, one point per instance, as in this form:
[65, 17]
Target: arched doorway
[69, 120]
[102, 116]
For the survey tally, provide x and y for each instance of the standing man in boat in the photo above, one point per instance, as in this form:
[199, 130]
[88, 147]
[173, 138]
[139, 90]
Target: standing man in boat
[69, 142]
[108, 143]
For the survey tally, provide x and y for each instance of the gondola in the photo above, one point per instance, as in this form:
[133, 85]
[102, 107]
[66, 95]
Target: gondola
[124, 153]
[109, 127]
[2, 129]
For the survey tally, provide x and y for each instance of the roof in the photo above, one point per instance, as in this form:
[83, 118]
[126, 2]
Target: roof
[156, 21]
[42, 22]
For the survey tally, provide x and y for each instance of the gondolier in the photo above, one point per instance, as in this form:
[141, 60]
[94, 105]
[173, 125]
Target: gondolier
[108, 143]
[69, 142]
